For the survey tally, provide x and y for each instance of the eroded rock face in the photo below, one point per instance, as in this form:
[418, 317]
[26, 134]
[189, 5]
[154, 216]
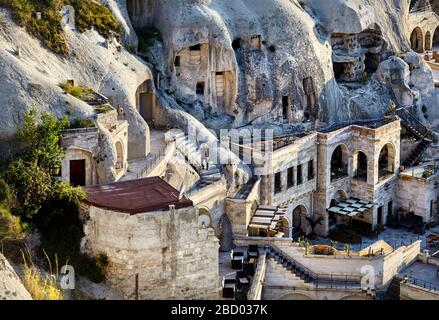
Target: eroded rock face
[255, 62]
[11, 287]
[32, 79]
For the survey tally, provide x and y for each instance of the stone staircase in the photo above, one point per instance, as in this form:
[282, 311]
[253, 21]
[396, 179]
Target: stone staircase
[392, 292]
[419, 130]
[310, 278]
[192, 154]
[417, 154]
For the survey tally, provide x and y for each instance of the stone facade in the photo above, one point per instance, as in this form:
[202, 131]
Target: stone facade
[288, 178]
[166, 251]
[419, 194]
[102, 149]
[374, 180]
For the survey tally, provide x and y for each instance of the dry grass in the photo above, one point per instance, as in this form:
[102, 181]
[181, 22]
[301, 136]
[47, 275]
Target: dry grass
[42, 287]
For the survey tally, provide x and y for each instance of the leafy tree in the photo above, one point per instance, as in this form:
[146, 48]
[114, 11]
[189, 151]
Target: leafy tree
[43, 139]
[32, 185]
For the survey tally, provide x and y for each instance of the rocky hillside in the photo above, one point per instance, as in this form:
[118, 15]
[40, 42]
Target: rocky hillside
[11, 287]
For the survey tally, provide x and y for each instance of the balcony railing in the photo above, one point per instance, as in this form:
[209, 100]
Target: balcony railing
[360, 174]
[339, 173]
[423, 284]
[384, 173]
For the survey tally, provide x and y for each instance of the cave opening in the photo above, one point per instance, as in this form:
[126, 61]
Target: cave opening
[338, 69]
[236, 44]
[200, 88]
[371, 62]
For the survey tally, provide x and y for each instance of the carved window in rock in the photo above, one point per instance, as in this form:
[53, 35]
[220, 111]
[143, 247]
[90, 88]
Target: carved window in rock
[256, 42]
[195, 54]
[286, 103]
[177, 61]
[311, 108]
[200, 88]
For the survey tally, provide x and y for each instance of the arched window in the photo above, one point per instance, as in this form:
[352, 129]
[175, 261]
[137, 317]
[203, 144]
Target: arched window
[417, 40]
[120, 160]
[339, 163]
[298, 214]
[386, 161]
[361, 166]
[284, 227]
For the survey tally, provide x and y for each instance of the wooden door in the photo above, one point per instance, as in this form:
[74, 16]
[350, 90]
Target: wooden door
[219, 83]
[77, 173]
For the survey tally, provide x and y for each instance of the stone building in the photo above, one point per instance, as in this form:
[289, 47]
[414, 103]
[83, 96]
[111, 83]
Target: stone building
[418, 191]
[314, 176]
[358, 161]
[156, 247]
[97, 154]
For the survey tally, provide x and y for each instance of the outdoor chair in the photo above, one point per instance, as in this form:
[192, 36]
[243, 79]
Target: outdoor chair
[237, 260]
[243, 280]
[229, 288]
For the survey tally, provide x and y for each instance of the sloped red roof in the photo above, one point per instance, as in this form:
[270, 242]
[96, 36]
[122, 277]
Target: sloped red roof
[136, 196]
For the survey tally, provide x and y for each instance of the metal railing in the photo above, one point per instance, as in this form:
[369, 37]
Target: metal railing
[411, 120]
[319, 280]
[422, 283]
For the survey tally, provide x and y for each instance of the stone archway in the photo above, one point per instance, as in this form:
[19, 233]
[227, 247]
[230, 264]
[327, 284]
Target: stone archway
[120, 157]
[360, 166]
[284, 227]
[435, 45]
[428, 44]
[386, 161]
[299, 219]
[339, 162]
[417, 40]
[146, 100]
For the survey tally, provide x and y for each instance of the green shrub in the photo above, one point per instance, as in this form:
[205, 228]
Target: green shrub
[88, 14]
[82, 123]
[91, 14]
[74, 91]
[42, 135]
[32, 186]
[103, 108]
[11, 227]
[4, 191]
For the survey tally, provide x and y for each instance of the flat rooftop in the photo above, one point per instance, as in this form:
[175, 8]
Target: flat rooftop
[424, 170]
[370, 124]
[136, 196]
[424, 272]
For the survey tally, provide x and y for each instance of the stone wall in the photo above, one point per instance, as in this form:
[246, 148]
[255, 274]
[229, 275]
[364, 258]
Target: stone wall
[412, 292]
[418, 195]
[81, 144]
[170, 255]
[240, 211]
